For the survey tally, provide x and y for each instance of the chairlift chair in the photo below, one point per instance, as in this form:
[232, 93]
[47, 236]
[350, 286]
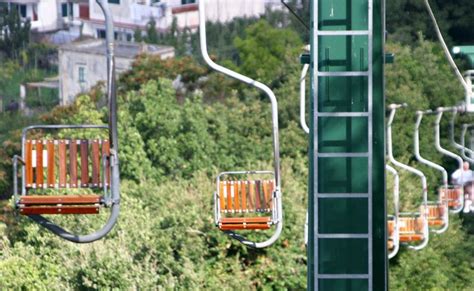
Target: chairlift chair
[412, 226]
[78, 168]
[245, 200]
[454, 195]
[438, 217]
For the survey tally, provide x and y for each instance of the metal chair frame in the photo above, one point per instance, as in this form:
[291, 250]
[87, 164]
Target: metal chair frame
[425, 232]
[278, 221]
[112, 198]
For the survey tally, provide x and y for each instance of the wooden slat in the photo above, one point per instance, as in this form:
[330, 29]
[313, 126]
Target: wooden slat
[410, 237]
[62, 199]
[106, 152]
[222, 188]
[84, 163]
[237, 195]
[59, 210]
[73, 164]
[258, 204]
[243, 226]
[267, 193]
[62, 163]
[51, 179]
[95, 163]
[29, 163]
[255, 219]
[39, 164]
[244, 195]
[271, 184]
[230, 189]
[251, 195]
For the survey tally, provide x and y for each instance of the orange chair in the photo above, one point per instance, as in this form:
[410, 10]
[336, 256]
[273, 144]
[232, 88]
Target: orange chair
[245, 204]
[411, 229]
[62, 165]
[436, 214]
[453, 196]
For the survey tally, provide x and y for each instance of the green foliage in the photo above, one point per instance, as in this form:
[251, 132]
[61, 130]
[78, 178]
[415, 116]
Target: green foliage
[406, 18]
[15, 33]
[171, 145]
[265, 52]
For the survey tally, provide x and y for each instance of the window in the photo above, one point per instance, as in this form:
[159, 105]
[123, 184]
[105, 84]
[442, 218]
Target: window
[23, 11]
[184, 2]
[66, 9]
[100, 33]
[114, 1]
[82, 74]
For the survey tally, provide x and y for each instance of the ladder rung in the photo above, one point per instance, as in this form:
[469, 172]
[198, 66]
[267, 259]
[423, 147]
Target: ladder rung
[343, 32]
[342, 155]
[343, 235]
[343, 195]
[342, 114]
[342, 276]
[343, 74]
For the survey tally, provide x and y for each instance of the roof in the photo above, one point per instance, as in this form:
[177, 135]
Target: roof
[122, 49]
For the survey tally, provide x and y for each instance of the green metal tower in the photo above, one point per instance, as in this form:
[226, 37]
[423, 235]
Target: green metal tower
[347, 231]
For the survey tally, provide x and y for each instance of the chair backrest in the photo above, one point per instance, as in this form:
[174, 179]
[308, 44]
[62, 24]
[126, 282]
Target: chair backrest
[434, 211]
[390, 227]
[451, 195]
[66, 163]
[411, 224]
[246, 196]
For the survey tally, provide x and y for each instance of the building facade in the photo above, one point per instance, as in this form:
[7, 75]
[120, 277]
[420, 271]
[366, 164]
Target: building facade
[84, 17]
[82, 64]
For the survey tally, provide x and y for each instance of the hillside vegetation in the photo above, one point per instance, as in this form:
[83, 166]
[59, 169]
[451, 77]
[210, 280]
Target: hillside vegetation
[174, 142]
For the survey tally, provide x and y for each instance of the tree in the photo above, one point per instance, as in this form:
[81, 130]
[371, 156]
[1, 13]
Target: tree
[14, 33]
[151, 33]
[265, 52]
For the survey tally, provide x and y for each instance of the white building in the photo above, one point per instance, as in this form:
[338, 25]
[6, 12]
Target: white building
[84, 17]
[82, 64]
[130, 15]
[44, 15]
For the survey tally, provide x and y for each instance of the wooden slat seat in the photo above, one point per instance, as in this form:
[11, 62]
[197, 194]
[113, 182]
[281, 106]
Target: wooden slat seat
[65, 204]
[245, 199]
[64, 164]
[411, 229]
[234, 223]
[391, 230]
[435, 214]
[64, 199]
[77, 209]
[452, 196]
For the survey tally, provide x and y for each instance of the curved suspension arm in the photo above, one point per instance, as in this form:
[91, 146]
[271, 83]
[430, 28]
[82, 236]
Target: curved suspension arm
[419, 117]
[396, 201]
[274, 105]
[458, 146]
[303, 123]
[465, 127]
[393, 109]
[444, 151]
[114, 162]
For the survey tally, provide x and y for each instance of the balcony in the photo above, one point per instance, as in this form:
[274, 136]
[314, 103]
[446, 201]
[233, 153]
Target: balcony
[141, 14]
